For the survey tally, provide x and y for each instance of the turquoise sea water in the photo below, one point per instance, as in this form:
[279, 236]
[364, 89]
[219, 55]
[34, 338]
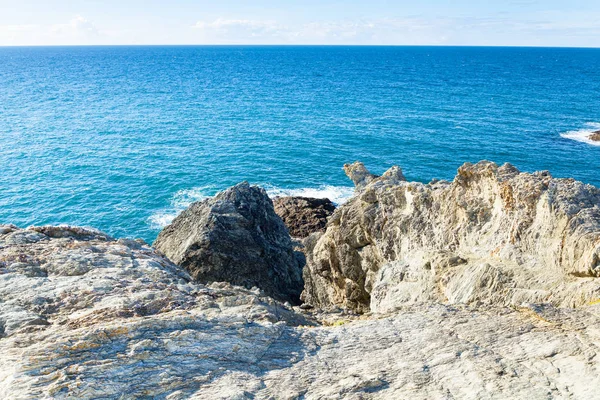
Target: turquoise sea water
[121, 138]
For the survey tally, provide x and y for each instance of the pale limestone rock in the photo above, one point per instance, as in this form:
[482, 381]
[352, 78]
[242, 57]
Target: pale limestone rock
[359, 174]
[493, 235]
[85, 316]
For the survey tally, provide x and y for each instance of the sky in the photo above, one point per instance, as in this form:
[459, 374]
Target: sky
[574, 23]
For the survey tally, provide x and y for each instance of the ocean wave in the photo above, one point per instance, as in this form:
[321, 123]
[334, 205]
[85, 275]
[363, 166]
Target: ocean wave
[179, 202]
[161, 219]
[337, 194]
[582, 135]
[183, 198]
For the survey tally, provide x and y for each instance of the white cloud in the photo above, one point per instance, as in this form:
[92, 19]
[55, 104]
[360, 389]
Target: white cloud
[77, 26]
[79, 30]
[364, 31]
[222, 23]
[501, 29]
[541, 28]
[222, 30]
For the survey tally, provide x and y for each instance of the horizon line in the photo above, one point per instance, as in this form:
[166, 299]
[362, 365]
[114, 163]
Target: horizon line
[300, 45]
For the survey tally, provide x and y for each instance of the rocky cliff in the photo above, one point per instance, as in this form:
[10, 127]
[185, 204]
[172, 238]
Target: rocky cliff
[86, 316]
[484, 287]
[494, 235]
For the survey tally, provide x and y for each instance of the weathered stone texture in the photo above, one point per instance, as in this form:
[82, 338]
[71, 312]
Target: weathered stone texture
[303, 215]
[235, 237]
[493, 235]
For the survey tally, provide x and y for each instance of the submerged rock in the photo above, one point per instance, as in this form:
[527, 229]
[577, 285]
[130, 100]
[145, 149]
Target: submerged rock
[303, 215]
[494, 236]
[235, 237]
[595, 136]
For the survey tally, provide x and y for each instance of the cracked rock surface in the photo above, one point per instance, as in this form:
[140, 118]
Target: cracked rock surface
[493, 236]
[481, 288]
[87, 316]
[235, 237]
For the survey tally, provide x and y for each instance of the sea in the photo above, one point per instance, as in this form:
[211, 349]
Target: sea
[124, 138]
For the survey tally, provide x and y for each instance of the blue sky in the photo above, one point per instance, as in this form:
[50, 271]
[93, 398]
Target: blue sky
[416, 22]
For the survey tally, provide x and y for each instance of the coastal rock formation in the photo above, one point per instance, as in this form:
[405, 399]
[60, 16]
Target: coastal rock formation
[361, 177]
[86, 316]
[492, 236]
[235, 237]
[484, 287]
[595, 136]
[303, 215]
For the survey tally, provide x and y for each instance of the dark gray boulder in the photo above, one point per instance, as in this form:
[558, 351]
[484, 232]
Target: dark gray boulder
[303, 215]
[235, 237]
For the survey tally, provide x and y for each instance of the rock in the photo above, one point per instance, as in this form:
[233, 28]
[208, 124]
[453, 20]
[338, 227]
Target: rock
[494, 235]
[361, 177]
[75, 232]
[114, 316]
[461, 280]
[595, 136]
[106, 313]
[359, 174]
[235, 237]
[4, 229]
[303, 215]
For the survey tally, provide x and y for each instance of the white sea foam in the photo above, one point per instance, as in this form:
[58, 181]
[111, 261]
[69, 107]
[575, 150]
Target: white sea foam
[337, 194]
[183, 198]
[161, 219]
[179, 202]
[582, 135]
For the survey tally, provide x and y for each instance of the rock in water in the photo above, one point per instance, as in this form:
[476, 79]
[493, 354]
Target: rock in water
[595, 136]
[303, 215]
[359, 174]
[235, 237]
[493, 235]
